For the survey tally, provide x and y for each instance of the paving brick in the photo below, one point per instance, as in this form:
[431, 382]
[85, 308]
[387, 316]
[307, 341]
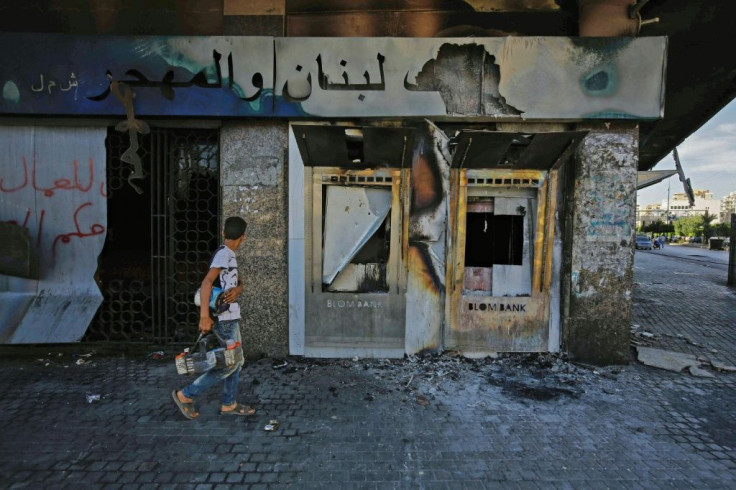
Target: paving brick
[518, 421]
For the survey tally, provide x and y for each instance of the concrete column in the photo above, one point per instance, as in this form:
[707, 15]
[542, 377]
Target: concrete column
[253, 177]
[599, 250]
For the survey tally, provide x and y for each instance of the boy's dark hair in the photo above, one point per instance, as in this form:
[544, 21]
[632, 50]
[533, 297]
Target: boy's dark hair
[234, 228]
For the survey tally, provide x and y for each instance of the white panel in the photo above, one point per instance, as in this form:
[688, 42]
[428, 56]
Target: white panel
[353, 275]
[512, 280]
[511, 206]
[515, 280]
[53, 183]
[424, 307]
[296, 249]
[555, 337]
[352, 216]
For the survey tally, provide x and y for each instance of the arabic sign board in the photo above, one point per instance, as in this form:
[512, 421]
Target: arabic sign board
[513, 78]
[171, 76]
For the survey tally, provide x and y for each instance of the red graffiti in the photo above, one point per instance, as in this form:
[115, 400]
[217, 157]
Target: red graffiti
[32, 179]
[40, 227]
[58, 184]
[25, 180]
[25, 221]
[95, 229]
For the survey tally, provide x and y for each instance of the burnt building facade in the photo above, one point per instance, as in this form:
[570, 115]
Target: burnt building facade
[405, 191]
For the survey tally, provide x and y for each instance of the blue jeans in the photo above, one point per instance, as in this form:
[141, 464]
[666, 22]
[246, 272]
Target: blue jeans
[227, 329]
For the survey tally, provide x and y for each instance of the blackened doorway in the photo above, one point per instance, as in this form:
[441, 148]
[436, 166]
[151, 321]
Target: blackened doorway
[159, 242]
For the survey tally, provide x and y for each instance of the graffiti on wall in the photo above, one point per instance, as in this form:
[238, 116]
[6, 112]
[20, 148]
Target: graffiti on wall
[607, 213]
[511, 78]
[52, 182]
[27, 176]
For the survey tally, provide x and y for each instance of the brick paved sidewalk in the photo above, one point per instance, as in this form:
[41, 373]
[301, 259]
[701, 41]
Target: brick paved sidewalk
[444, 422]
[687, 304]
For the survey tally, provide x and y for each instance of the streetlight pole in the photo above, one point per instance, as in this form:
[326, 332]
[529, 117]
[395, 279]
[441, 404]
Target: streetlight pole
[732, 253]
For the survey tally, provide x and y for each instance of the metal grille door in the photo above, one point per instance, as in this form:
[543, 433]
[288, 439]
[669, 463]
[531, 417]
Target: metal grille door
[159, 242]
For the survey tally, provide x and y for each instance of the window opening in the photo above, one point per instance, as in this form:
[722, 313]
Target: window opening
[493, 239]
[356, 239]
[354, 144]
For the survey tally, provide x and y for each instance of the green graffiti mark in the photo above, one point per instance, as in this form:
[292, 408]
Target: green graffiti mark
[11, 92]
[601, 81]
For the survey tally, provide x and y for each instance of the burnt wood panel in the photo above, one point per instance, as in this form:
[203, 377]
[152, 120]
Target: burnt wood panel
[135, 17]
[430, 24]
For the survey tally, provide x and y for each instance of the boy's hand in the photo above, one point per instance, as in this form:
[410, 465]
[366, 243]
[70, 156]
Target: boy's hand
[205, 324]
[233, 293]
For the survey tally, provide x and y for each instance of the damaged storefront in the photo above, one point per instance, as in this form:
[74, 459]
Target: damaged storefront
[403, 194]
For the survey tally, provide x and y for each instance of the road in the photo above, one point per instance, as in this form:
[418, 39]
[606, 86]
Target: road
[691, 252]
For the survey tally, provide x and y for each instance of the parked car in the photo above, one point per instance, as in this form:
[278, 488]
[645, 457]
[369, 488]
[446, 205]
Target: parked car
[643, 243]
[696, 239]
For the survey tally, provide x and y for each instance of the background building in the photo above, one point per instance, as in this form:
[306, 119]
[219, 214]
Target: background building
[679, 205]
[728, 207]
[647, 214]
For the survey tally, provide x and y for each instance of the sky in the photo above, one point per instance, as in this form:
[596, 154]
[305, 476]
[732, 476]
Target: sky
[708, 158]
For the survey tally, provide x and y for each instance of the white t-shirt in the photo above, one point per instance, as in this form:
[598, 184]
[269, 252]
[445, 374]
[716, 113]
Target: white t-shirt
[224, 259]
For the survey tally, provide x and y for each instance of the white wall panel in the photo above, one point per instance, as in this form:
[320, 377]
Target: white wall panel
[52, 181]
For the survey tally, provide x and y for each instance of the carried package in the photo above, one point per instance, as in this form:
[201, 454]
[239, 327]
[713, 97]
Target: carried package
[209, 352]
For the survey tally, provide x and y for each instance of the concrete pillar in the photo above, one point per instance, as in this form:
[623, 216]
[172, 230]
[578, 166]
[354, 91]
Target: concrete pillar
[599, 251]
[253, 177]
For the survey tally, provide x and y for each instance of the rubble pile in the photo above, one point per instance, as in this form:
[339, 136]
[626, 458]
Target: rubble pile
[421, 379]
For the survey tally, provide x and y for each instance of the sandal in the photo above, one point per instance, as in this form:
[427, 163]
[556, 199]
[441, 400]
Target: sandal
[239, 409]
[187, 408]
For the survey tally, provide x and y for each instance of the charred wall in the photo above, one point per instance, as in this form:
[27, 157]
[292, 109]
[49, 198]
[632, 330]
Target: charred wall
[599, 258]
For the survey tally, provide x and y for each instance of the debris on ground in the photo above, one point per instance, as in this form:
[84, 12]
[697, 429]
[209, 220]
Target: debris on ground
[279, 363]
[700, 373]
[93, 398]
[158, 355]
[673, 361]
[272, 425]
[692, 342]
[719, 366]
[642, 337]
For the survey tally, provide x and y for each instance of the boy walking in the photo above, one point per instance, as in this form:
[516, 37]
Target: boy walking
[224, 266]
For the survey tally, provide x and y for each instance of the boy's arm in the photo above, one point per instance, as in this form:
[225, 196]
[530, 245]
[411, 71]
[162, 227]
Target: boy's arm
[233, 293]
[205, 321]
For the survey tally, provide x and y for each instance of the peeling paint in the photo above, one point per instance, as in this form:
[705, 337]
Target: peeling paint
[461, 72]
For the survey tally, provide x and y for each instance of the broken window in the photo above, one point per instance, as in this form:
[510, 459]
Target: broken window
[493, 238]
[356, 239]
